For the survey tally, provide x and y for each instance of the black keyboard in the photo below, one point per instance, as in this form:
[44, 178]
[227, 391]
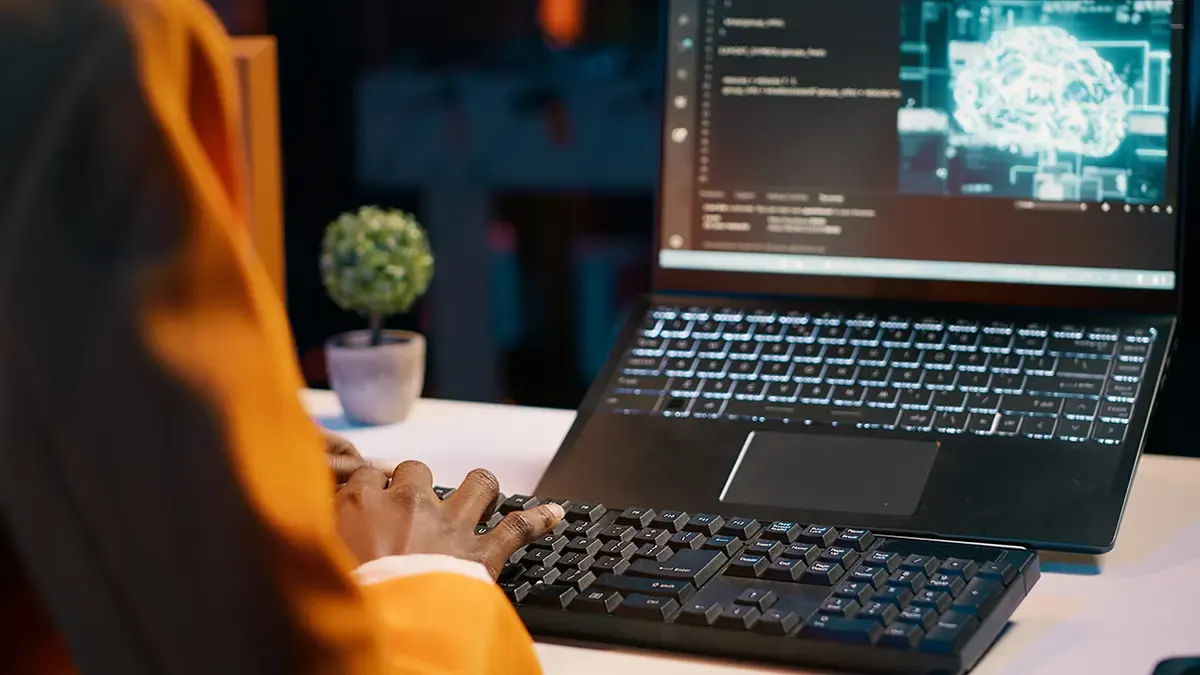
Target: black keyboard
[779, 592]
[931, 375]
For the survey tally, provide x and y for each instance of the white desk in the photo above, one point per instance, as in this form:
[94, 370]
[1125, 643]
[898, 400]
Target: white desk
[1140, 606]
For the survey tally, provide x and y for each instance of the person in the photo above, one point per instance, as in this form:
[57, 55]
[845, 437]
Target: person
[167, 504]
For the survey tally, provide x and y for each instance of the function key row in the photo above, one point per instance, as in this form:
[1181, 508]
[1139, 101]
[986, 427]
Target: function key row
[659, 317]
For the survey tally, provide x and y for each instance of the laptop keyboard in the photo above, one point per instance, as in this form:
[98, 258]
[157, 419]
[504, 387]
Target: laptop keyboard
[1068, 383]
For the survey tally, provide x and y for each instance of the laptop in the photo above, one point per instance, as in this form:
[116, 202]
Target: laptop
[917, 269]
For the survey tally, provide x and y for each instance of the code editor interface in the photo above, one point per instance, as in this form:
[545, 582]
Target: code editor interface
[1040, 133]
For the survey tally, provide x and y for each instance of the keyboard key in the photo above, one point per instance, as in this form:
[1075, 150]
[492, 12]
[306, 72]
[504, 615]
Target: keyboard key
[675, 589]
[636, 517]
[1008, 384]
[738, 617]
[770, 548]
[585, 546]
[914, 399]
[690, 565]
[759, 598]
[516, 590]
[610, 564]
[784, 531]
[699, 614]
[541, 574]
[888, 561]
[821, 535]
[1002, 572]
[777, 622]
[748, 566]
[1032, 405]
[619, 549]
[854, 590]
[916, 420]
[846, 557]
[822, 574]
[912, 579]
[1109, 434]
[579, 561]
[1116, 413]
[1040, 428]
[646, 607]
[979, 598]
[981, 424]
[540, 556]
[1073, 431]
[587, 513]
[883, 612]
[671, 520]
[1133, 352]
[655, 552]
[959, 567]
[785, 569]
[724, 543]
[1086, 348]
[556, 596]
[1122, 392]
[1084, 368]
[844, 607]
[618, 533]
[1007, 425]
[896, 594]
[921, 563]
[875, 576]
[1080, 409]
[518, 503]
[924, 617]
[838, 629]
[551, 542]
[856, 539]
[1128, 372]
[597, 602]
[742, 528]
[656, 536]
[950, 633]
[901, 636]
[807, 553]
[947, 583]
[705, 524]
[933, 599]
[1062, 386]
[686, 540]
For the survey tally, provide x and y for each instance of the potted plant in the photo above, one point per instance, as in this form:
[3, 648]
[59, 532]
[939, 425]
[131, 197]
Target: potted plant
[376, 263]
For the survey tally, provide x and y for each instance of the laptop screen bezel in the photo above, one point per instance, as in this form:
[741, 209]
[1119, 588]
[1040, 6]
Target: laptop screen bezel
[670, 280]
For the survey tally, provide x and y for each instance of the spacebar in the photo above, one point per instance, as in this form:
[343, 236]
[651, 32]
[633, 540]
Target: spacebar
[815, 414]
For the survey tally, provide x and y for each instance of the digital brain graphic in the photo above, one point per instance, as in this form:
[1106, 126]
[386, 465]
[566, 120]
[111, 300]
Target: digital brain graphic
[1040, 89]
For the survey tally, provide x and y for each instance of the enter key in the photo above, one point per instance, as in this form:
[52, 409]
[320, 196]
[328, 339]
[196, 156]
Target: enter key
[694, 565]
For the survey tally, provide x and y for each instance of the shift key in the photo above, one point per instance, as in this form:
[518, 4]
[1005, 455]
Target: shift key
[690, 565]
[677, 589]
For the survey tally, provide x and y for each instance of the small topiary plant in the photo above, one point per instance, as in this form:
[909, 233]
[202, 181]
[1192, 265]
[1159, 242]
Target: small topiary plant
[377, 263]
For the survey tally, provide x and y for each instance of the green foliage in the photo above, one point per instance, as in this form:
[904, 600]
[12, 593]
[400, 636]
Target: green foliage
[376, 262]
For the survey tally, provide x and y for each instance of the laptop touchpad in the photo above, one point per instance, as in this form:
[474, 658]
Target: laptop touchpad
[848, 474]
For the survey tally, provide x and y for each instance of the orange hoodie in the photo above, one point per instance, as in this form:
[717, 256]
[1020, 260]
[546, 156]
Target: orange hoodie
[166, 502]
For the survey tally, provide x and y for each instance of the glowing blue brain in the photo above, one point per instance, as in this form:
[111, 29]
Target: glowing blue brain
[1037, 89]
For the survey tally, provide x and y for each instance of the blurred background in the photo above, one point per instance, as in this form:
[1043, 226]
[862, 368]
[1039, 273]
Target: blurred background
[521, 133]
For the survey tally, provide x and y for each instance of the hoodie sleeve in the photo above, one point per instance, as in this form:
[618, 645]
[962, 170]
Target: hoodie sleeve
[164, 491]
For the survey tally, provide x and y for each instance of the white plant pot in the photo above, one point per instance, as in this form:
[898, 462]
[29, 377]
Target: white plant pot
[377, 385]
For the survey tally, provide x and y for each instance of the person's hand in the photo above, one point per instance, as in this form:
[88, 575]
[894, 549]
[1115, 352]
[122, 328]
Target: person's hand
[377, 519]
[343, 456]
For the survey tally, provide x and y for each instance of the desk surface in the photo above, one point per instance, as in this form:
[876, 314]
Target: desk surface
[1119, 615]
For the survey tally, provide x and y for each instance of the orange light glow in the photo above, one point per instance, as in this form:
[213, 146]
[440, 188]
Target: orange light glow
[562, 20]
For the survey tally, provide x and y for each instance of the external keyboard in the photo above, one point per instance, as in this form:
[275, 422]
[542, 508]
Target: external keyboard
[780, 592]
[1068, 383]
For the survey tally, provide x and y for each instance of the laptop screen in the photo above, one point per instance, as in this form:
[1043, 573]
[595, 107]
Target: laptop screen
[995, 141]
